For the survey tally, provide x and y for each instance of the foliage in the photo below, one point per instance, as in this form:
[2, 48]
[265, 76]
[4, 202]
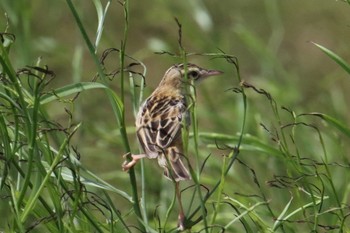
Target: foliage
[256, 165]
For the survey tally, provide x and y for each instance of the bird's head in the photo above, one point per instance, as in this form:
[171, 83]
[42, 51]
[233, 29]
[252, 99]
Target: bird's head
[175, 75]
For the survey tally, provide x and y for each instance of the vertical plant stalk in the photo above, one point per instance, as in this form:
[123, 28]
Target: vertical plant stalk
[136, 103]
[235, 151]
[169, 210]
[191, 97]
[31, 203]
[219, 194]
[193, 110]
[118, 106]
[122, 54]
[30, 127]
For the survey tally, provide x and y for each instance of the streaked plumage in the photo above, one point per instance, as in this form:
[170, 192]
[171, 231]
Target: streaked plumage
[159, 124]
[161, 118]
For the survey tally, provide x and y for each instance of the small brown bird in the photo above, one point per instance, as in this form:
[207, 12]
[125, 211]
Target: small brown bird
[160, 120]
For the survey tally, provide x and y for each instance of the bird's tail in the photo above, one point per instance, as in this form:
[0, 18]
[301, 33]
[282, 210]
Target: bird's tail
[174, 168]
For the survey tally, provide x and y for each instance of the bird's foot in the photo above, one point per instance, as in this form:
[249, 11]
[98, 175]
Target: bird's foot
[129, 164]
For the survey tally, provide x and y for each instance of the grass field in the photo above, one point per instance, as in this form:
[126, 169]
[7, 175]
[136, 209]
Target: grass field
[269, 140]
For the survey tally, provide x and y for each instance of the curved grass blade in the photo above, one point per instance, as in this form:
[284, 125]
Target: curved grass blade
[281, 216]
[250, 212]
[34, 197]
[340, 61]
[249, 142]
[69, 90]
[300, 209]
[90, 179]
[332, 121]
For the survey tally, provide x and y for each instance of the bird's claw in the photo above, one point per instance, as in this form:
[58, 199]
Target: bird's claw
[126, 155]
[126, 164]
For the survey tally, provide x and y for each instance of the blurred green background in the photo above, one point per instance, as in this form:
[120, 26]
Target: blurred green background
[270, 38]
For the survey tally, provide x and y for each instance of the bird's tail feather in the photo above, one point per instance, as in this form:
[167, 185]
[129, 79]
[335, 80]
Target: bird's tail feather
[174, 167]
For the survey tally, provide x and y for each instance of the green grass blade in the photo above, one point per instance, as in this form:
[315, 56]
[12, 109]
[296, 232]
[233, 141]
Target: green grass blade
[9, 100]
[89, 179]
[249, 142]
[69, 90]
[340, 61]
[332, 121]
[281, 216]
[114, 99]
[248, 211]
[302, 208]
[32, 200]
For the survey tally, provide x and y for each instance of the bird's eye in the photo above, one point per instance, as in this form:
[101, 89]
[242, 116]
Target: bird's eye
[193, 74]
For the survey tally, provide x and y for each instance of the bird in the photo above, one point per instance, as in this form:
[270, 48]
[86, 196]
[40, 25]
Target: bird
[160, 121]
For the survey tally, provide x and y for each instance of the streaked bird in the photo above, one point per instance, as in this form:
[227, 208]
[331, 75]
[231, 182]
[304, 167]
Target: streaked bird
[160, 120]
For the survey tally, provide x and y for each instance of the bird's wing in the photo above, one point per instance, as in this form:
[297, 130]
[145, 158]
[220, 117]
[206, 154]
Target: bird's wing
[159, 123]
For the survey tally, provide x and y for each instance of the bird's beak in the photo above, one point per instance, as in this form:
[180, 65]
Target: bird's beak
[213, 73]
[207, 73]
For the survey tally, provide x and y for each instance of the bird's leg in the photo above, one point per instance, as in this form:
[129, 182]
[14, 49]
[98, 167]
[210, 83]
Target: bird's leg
[181, 217]
[129, 164]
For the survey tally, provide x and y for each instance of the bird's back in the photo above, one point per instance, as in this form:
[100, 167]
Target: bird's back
[159, 123]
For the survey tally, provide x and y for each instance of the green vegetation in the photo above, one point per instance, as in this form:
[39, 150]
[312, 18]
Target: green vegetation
[268, 144]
